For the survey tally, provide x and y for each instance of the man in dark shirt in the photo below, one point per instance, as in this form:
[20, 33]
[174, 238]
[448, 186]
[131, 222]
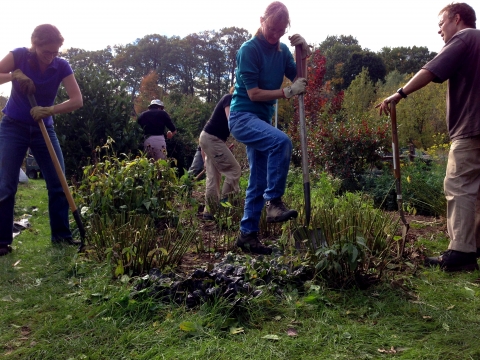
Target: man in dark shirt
[153, 121]
[458, 62]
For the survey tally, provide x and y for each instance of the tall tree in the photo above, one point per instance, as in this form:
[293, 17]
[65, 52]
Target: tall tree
[363, 59]
[213, 82]
[359, 98]
[406, 60]
[231, 39]
[78, 58]
[337, 50]
[106, 112]
[136, 60]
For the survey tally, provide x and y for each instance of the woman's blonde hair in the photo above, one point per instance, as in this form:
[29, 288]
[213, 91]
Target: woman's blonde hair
[276, 12]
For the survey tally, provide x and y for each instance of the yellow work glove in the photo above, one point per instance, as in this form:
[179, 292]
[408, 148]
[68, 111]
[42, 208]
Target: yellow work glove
[298, 87]
[299, 40]
[26, 84]
[40, 112]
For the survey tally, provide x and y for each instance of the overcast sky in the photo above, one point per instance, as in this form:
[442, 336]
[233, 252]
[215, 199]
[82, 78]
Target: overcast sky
[95, 24]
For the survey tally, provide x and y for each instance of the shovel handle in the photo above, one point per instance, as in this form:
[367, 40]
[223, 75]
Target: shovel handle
[301, 72]
[300, 62]
[396, 171]
[395, 149]
[58, 169]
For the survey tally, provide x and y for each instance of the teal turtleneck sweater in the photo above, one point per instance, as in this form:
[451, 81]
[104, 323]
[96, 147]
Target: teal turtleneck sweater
[260, 64]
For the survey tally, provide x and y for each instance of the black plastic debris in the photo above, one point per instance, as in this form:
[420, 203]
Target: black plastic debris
[236, 278]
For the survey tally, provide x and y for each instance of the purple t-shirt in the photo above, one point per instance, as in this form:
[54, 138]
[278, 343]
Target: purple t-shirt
[459, 63]
[46, 84]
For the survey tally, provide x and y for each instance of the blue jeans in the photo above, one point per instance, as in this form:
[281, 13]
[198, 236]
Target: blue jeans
[15, 138]
[269, 151]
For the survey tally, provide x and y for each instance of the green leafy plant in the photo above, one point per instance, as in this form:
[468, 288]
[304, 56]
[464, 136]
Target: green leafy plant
[133, 186]
[133, 245]
[351, 238]
[423, 187]
[106, 113]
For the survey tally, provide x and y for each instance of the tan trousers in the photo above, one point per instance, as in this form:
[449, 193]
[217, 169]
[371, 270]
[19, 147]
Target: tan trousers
[156, 147]
[462, 190]
[219, 160]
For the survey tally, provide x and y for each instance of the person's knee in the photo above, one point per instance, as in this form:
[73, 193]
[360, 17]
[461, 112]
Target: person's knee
[236, 172]
[285, 144]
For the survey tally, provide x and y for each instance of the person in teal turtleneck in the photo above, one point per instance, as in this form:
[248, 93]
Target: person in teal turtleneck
[262, 63]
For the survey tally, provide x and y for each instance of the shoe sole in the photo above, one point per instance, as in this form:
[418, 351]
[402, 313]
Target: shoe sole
[66, 243]
[469, 267]
[283, 218]
[5, 251]
[258, 250]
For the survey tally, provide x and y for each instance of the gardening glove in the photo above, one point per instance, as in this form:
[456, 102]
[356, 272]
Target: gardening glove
[299, 40]
[40, 112]
[298, 87]
[26, 84]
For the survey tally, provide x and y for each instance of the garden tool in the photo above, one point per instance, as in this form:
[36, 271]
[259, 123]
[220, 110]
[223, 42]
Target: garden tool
[301, 72]
[200, 174]
[396, 170]
[61, 176]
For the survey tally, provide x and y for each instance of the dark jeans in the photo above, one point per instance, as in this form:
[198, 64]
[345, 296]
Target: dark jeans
[15, 138]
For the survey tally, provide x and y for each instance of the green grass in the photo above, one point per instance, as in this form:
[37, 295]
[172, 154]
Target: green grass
[57, 305]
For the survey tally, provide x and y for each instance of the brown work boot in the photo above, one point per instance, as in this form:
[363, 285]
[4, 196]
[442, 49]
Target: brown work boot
[249, 243]
[452, 260]
[278, 212]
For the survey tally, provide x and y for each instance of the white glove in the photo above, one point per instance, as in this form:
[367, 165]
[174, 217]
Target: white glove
[298, 87]
[299, 40]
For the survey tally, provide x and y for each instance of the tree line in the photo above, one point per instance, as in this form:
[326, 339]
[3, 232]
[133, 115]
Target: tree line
[190, 74]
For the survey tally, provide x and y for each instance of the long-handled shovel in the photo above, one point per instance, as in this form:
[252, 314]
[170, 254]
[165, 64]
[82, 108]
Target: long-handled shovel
[301, 72]
[61, 176]
[396, 170]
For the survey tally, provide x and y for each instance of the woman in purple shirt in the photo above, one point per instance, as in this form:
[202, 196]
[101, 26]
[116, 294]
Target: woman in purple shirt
[36, 71]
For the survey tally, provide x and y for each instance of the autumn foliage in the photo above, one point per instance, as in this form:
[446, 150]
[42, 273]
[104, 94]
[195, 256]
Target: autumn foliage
[341, 147]
[149, 90]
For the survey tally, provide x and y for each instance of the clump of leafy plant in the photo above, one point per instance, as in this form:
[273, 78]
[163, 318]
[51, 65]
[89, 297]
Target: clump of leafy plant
[131, 185]
[350, 239]
[133, 245]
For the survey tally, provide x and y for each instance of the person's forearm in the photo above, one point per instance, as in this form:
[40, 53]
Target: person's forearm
[68, 106]
[5, 78]
[257, 94]
[419, 80]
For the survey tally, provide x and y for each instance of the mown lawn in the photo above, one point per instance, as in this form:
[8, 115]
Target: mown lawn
[55, 304]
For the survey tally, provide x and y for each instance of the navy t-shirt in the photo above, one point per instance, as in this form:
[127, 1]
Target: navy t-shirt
[153, 122]
[218, 123]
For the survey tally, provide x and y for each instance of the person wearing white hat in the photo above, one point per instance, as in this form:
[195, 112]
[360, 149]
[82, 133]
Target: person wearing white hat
[153, 121]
